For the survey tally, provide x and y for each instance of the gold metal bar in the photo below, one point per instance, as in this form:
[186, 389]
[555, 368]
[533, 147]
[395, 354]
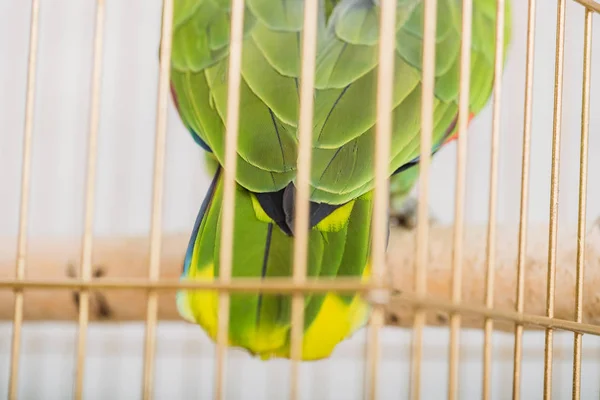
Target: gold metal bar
[157, 196]
[583, 171]
[301, 217]
[457, 254]
[13, 384]
[497, 314]
[427, 86]
[311, 286]
[90, 194]
[554, 181]
[229, 172]
[279, 286]
[524, 204]
[491, 233]
[383, 134]
[268, 285]
[590, 5]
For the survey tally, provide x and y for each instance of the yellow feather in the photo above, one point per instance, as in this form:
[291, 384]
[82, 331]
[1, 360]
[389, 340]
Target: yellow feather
[261, 215]
[335, 221]
[335, 322]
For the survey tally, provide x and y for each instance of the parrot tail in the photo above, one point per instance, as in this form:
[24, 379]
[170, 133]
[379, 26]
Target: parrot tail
[263, 246]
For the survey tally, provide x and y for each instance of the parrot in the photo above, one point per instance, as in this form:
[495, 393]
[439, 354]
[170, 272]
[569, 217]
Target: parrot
[341, 187]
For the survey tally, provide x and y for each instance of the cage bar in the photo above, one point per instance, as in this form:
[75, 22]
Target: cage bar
[302, 204]
[590, 5]
[524, 197]
[581, 218]
[461, 155]
[421, 260]
[385, 77]
[231, 137]
[238, 285]
[491, 234]
[300, 284]
[554, 181]
[157, 197]
[85, 267]
[285, 286]
[13, 384]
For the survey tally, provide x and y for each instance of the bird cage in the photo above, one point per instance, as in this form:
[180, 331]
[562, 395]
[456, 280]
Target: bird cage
[479, 296]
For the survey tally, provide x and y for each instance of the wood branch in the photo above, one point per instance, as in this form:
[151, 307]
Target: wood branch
[439, 272]
[126, 257]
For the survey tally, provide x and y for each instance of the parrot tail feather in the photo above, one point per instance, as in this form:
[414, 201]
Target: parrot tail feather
[263, 247]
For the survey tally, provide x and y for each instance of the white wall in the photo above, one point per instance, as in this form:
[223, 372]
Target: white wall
[124, 184]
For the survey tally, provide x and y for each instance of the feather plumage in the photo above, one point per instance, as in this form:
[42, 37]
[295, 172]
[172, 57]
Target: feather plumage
[342, 173]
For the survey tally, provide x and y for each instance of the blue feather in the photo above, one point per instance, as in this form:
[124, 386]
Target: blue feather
[199, 141]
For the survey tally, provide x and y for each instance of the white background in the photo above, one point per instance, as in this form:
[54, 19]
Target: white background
[124, 184]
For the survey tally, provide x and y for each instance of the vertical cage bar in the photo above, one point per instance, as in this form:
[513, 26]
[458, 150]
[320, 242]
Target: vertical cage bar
[581, 218]
[554, 181]
[157, 196]
[13, 384]
[301, 217]
[229, 172]
[385, 79]
[491, 233]
[524, 202]
[85, 267]
[428, 83]
[457, 253]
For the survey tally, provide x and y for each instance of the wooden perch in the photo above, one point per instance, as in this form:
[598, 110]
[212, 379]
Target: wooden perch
[126, 257]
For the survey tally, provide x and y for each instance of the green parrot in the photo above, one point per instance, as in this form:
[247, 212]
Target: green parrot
[342, 172]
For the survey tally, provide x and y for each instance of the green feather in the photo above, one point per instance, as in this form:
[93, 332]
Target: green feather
[277, 91]
[344, 131]
[263, 140]
[261, 322]
[348, 117]
[357, 249]
[281, 49]
[280, 15]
